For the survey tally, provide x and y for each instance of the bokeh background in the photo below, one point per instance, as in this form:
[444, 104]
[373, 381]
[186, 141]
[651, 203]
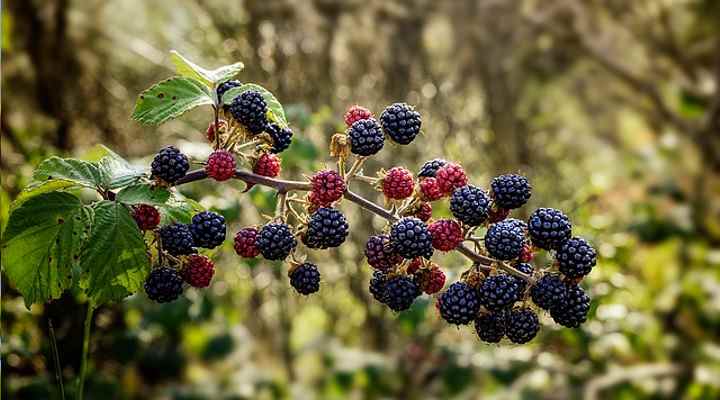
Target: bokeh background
[611, 107]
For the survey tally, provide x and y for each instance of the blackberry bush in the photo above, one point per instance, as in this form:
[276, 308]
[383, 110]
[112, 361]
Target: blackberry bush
[573, 310]
[498, 291]
[522, 325]
[198, 271]
[380, 254]
[177, 239]
[429, 169]
[366, 137]
[281, 137]
[400, 293]
[510, 190]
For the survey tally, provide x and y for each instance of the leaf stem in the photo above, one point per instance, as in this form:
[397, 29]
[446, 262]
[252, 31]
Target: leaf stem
[85, 350]
[56, 359]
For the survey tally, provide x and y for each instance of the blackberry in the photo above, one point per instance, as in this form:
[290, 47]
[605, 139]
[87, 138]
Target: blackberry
[410, 238]
[576, 257]
[281, 137]
[548, 291]
[510, 190]
[224, 87]
[377, 286]
[497, 214]
[177, 239]
[356, 113]
[446, 234]
[163, 285]
[498, 291]
[198, 271]
[249, 108]
[505, 239]
[208, 229]
[221, 165]
[573, 311]
[379, 253]
[401, 122]
[366, 138]
[275, 241]
[490, 327]
[470, 205]
[429, 169]
[401, 292]
[305, 278]
[459, 304]
[397, 183]
[430, 190]
[146, 216]
[327, 186]
[244, 242]
[526, 268]
[450, 177]
[522, 325]
[170, 164]
[267, 165]
[548, 228]
[327, 228]
[431, 280]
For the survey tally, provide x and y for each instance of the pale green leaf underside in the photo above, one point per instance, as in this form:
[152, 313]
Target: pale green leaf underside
[169, 99]
[274, 106]
[41, 243]
[38, 188]
[178, 208]
[143, 193]
[117, 172]
[210, 78]
[80, 172]
[114, 261]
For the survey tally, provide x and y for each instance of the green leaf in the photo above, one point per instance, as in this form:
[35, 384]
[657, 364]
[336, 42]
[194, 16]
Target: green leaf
[143, 193]
[178, 208]
[210, 78]
[169, 99]
[117, 172]
[79, 172]
[114, 262]
[275, 109]
[38, 188]
[41, 243]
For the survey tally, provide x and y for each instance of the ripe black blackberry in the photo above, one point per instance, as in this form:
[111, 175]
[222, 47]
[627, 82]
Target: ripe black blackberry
[510, 190]
[249, 108]
[522, 325]
[169, 164]
[548, 228]
[522, 284]
[327, 228]
[490, 327]
[576, 257]
[573, 311]
[281, 137]
[177, 239]
[377, 286]
[401, 292]
[429, 169]
[275, 241]
[401, 122]
[504, 240]
[380, 254]
[459, 304]
[410, 238]
[163, 285]
[366, 137]
[548, 291]
[498, 291]
[470, 205]
[305, 278]
[225, 86]
[208, 229]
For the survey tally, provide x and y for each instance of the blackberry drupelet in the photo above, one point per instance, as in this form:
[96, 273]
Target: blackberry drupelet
[548, 291]
[163, 285]
[410, 238]
[366, 137]
[498, 291]
[305, 278]
[177, 239]
[504, 240]
[548, 228]
[327, 228]
[490, 327]
[459, 304]
[576, 257]
[401, 122]
[470, 205]
[429, 169]
[208, 229]
[510, 190]
[169, 164]
[522, 325]
[249, 108]
[401, 292]
[275, 241]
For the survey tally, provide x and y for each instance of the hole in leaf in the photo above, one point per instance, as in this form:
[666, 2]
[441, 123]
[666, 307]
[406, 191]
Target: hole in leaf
[161, 95]
[61, 221]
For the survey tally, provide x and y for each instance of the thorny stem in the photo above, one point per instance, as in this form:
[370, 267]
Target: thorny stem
[284, 186]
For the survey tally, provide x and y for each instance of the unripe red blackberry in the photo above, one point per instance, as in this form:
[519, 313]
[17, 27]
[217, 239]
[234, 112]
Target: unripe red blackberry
[430, 190]
[423, 212]
[510, 190]
[459, 304]
[429, 169]
[267, 165]
[527, 254]
[379, 253]
[146, 216]
[497, 214]
[198, 271]
[245, 242]
[549, 228]
[397, 184]
[221, 165]
[575, 257]
[356, 113]
[431, 280]
[450, 177]
[327, 186]
[305, 278]
[213, 130]
[410, 238]
[249, 109]
[275, 241]
[163, 285]
[498, 291]
[170, 164]
[469, 204]
[446, 234]
[490, 327]
[401, 123]
[414, 265]
[327, 228]
[366, 138]
[522, 325]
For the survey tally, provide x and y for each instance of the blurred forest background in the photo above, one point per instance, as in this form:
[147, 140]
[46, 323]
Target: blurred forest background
[611, 107]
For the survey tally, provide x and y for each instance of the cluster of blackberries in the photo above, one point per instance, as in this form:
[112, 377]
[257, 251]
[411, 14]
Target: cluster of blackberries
[399, 122]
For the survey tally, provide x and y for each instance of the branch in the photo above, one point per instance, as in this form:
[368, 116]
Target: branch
[284, 186]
